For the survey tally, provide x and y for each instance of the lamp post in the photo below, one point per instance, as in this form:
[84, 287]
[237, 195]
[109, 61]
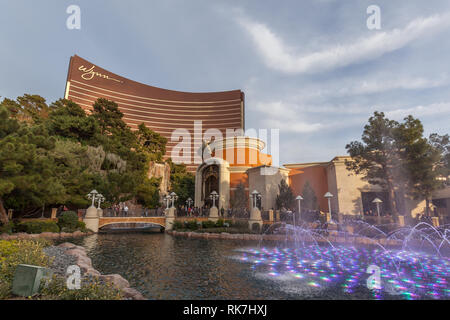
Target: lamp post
[167, 199]
[92, 196]
[255, 196]
[214, 196]
[328, 195]
[377, 202]
[100, 199]
[92, 213]
[299, 200]
[255, 213]
[189, 202]
[173, 197]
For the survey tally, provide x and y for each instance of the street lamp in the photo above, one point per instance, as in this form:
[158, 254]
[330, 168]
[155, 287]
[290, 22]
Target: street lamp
[255, 196]
[377, 202]
[92, 195]
[214, 196]
[173, 197]
[299, 199]
[189, 202]
[100, 199]
[167, 199]
[328, 195]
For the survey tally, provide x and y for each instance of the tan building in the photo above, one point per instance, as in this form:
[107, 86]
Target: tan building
[352, 195]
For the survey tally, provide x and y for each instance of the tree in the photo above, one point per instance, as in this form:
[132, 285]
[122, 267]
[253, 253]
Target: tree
[181, 182]
[108, 115]
[442, 144]
[421, 159]
[239, 199]
[29, 108]
[285, 197]
[147, 194]
[397, 157]
[68, 120]
[27, 174]
[377, 157]
[152, 143]
[309, 197]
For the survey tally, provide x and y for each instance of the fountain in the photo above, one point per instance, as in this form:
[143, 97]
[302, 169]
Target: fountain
[355, 260]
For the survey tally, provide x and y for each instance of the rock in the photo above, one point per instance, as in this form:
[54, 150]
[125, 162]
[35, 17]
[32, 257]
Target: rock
[67, 245]
[133, 294]
[77, 234]
[93, 272]
[49, 235]
[117, 280]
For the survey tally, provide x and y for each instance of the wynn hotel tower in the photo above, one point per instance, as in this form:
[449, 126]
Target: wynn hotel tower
[161, 110]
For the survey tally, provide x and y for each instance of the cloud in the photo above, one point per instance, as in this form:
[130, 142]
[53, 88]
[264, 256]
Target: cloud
[421, 110]
[284, 116]
[279, 56]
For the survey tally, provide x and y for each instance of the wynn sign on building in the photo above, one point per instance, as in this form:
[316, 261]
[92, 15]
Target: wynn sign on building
[163, 111]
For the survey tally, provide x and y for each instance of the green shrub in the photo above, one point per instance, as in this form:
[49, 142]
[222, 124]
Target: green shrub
[56, 289]
[15, 252]
[177, 225]
[7, 228]
[81, 226]
[191, 225]
[37, 226]
[240, 224]
[219, 223]
[68, 221]
[5, 288]
[208, 224]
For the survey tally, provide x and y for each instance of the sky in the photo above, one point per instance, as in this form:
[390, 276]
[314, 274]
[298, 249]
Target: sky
[311, 68]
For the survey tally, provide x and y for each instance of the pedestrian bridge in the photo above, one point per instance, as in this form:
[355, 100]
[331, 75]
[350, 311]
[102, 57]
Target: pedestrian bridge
[104, 221]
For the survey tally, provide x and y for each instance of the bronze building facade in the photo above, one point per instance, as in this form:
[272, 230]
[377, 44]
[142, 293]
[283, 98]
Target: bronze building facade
[163, 111]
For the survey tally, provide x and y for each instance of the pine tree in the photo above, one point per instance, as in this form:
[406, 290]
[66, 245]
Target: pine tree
[309, 197]
[377, 157]
[239, 200]
[285, 197]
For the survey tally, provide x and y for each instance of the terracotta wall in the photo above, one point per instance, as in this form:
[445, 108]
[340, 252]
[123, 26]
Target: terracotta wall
[317, 177]
[244, 157]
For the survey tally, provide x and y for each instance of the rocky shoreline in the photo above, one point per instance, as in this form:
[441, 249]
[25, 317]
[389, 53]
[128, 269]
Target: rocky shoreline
[282, 237]
[45, 235]
[67, 254]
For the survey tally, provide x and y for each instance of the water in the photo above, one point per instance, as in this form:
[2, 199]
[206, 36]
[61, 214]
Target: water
[161, 266]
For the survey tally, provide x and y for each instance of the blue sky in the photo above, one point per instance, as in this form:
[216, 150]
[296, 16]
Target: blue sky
[309, 68]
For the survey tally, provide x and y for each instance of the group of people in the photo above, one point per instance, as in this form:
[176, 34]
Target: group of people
[120, 210]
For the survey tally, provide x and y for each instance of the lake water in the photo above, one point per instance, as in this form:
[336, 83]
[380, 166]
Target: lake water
[162, 266]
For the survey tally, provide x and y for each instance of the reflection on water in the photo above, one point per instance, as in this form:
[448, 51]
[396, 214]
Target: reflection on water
[165, 267]
[161, 266]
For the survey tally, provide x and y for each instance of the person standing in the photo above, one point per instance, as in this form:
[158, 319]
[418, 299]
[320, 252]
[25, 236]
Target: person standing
[125, 210]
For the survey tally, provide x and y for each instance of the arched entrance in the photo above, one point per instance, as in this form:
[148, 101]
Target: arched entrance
[210, 183]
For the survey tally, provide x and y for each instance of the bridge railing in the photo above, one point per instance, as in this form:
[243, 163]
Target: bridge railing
[110, 212]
